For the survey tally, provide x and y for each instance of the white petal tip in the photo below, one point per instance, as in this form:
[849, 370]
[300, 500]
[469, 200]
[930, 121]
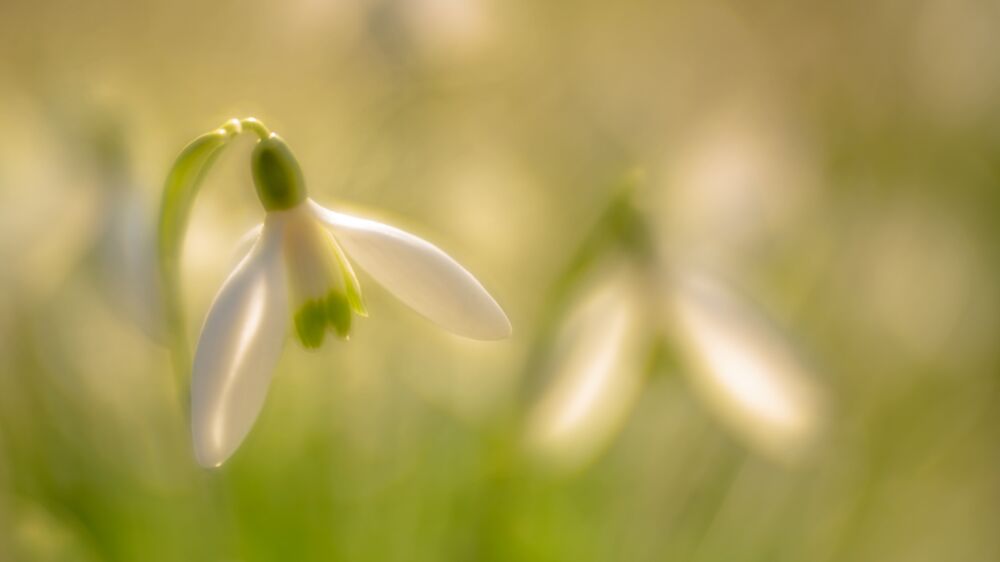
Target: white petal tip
[210, 465]
[498, 331]
[209, 454]
[208, 461]
[485, 325]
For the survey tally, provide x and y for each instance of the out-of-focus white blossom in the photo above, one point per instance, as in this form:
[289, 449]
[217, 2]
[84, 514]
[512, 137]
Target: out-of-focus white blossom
[745, 369]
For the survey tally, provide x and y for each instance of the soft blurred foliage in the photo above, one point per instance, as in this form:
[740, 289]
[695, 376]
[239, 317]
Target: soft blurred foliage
[835, 165]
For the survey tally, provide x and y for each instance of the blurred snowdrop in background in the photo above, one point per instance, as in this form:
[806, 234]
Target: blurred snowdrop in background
[651, 315]
[50, 212]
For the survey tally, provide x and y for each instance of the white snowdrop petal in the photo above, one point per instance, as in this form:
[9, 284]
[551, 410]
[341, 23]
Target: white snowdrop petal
[595, 377]
[421, 275]
[239, 347]
[747, 371]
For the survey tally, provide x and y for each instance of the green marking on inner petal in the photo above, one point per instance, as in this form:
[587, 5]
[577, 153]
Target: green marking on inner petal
[316, 315]
[354, 296]
[356, 301]
[338, 313]
[310, 323]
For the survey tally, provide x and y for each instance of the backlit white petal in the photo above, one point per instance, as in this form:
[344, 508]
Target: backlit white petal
[596, 376]
[420, 275]
[239, 347]
[747, 371]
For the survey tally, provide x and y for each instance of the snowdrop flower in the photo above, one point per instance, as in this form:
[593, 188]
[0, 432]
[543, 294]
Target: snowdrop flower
[741, 365]
[298, 277]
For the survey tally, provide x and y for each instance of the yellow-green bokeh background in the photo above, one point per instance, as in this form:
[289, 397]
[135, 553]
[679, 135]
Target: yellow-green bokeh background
[838, 162]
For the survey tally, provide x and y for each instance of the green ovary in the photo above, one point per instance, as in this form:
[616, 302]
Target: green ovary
[276, 175]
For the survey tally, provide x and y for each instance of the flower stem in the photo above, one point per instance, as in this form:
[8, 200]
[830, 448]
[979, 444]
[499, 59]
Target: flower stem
[256, 126]
[179, 192]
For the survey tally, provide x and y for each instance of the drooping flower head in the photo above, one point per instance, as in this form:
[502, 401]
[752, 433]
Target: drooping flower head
[648, 313]
[298, 273]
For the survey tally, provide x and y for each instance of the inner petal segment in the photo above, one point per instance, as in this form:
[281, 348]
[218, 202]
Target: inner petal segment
[323, 292]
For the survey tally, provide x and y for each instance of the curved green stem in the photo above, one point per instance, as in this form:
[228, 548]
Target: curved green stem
[179, 191]
[251, 124]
